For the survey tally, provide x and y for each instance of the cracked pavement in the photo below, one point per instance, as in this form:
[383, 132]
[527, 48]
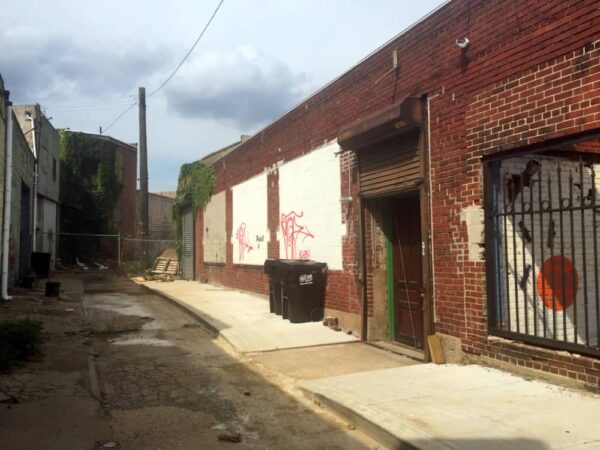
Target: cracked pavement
[165, 382]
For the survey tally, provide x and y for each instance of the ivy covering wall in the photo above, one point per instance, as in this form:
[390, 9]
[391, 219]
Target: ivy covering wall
[194, 187]
[89, 184]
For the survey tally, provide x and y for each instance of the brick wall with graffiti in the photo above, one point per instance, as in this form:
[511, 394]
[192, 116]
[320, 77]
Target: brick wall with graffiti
[526, 79]
[547, 280]
[310, 212]
[250, 233]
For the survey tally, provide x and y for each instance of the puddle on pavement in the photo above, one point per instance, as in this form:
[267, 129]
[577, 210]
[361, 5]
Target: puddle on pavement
[116, 302]
[143, 341]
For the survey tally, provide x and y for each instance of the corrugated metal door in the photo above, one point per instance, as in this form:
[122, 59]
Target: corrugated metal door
[187, 247]
[390, 166]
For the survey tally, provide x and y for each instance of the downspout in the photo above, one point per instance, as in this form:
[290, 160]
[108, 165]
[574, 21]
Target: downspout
[431, 246]
[7, 198]
[35, 181]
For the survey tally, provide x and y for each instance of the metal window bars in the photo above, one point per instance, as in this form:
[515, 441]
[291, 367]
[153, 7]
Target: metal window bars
[542, 248]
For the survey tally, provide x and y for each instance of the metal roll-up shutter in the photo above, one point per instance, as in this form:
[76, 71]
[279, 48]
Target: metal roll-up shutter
[187, 247]
[390, 166]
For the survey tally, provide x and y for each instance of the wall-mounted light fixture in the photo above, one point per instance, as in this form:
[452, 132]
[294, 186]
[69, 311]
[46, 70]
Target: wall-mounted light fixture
[463, 42]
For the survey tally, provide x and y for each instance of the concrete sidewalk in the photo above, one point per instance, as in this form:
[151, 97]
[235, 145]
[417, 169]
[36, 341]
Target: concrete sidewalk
[396, 400]
[461, 407]
[244, 319]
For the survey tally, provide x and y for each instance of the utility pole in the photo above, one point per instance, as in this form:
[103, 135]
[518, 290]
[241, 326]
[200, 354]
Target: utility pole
[143, 173]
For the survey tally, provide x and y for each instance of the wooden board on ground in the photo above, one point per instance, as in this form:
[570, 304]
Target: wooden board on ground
[435, 349]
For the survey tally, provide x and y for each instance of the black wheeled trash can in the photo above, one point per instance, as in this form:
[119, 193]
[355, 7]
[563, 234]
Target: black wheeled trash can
[271, 269]
[302, 290]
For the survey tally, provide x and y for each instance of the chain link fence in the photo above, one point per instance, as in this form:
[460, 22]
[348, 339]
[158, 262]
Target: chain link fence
[111, 251]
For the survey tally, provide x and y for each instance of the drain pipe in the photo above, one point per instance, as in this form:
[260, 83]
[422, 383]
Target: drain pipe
[7, 198]
[432, 247]
[35, 181]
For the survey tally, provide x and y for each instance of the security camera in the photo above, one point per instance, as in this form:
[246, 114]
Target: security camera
[462, 42]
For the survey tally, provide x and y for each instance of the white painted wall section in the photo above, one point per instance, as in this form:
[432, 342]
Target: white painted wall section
[250, 232]
[311, 224]
[215, 233]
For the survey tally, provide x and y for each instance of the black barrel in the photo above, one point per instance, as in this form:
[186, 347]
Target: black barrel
[271, 269]
[303, 286]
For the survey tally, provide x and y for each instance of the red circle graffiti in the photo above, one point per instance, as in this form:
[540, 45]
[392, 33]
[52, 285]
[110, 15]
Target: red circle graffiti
[557, 283]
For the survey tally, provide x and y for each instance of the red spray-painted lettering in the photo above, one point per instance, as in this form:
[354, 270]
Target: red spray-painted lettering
[243, 241]
[292, 231]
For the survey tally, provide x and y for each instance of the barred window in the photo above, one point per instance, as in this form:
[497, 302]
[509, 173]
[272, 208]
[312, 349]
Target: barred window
[542, 249]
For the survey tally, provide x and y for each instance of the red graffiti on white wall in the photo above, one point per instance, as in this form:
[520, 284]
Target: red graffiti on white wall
[294, 233]
[243, 241]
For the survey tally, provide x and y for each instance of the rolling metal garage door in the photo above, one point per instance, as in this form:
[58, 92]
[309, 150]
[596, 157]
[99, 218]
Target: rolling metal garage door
[187, 247]
[390, 166]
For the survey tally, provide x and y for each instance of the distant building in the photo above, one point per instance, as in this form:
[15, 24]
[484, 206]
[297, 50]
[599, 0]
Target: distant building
[98, 193]
[44, 142]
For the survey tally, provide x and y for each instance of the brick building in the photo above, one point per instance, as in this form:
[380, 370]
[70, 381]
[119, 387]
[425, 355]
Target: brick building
[448, 180]
[94, 166]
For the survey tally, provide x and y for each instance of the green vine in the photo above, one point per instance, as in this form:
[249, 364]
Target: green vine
[195, 186]
[89, 185]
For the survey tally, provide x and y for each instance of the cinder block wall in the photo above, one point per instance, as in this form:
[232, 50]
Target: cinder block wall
[160, 216]
[529, 75]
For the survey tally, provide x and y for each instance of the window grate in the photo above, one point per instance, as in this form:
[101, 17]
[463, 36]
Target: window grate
[542, 248]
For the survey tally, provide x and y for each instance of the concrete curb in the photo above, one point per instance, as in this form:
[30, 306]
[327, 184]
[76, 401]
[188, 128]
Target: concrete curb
[370, 428]
[378, 433]
[183, 307]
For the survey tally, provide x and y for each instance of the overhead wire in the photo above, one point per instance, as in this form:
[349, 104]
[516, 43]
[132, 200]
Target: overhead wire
[189, 51]
[164, 83]
[119, 116]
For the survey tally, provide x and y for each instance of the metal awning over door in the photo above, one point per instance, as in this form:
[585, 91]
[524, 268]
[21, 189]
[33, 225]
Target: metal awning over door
[187, 246]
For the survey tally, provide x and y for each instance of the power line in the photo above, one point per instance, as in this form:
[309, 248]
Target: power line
[176, 69]
[189, 52]
[90, 107]
[119, 116]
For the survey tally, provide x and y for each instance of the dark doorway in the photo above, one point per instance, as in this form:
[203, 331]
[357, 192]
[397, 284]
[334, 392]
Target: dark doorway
[407, 270]
[25, 231]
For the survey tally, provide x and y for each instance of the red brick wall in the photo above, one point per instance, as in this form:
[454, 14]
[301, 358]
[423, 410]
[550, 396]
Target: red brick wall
[530, 74]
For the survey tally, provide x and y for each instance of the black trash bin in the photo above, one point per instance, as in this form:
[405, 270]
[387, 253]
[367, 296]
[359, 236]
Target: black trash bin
[271, 269]
[40, 264]
[302, 290]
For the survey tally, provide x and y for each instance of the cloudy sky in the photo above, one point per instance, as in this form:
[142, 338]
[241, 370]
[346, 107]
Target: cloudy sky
[84, 61]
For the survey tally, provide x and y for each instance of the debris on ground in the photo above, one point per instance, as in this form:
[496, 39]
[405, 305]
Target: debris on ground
[230, 436]
[330, 322]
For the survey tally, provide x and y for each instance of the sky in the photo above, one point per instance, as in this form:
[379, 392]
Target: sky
[258, 59]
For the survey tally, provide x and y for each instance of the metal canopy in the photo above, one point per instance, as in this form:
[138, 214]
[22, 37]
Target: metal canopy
[397, 119]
